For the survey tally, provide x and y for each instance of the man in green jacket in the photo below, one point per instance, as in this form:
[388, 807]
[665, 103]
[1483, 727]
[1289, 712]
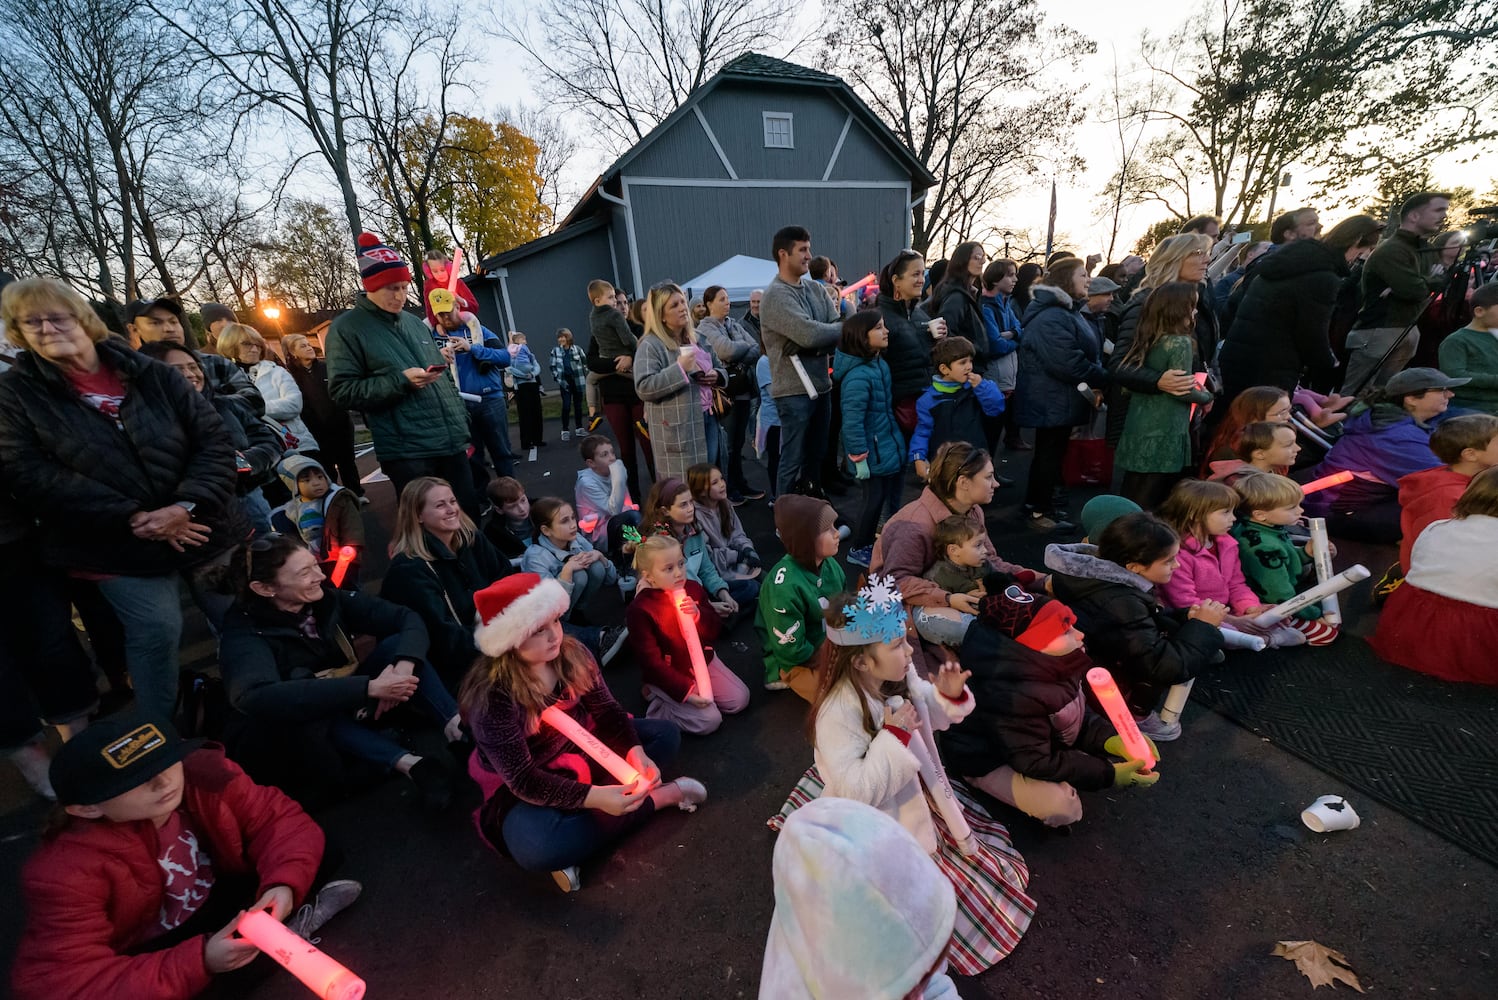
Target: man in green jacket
[1396, 287]
[383, 361]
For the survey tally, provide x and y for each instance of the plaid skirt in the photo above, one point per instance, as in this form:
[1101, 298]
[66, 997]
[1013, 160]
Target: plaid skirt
[993, 910]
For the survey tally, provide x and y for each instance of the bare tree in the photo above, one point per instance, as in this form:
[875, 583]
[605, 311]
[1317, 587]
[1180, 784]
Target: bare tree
[629, 63]
[1129, 120]
[557, 146]
[308, 264]
[966, 86]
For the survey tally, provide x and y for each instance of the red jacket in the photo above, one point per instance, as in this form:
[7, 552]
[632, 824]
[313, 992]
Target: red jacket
[94, 890]
[656, 638]
[467, 301]
[1426, 497]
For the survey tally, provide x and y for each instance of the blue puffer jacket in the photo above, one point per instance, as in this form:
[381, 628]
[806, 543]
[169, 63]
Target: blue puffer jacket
[1060, 349]
[868, 405]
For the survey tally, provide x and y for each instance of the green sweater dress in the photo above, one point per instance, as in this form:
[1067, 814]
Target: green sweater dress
[1157, 431]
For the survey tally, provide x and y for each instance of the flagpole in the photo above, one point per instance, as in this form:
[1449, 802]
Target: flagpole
[1050, 230]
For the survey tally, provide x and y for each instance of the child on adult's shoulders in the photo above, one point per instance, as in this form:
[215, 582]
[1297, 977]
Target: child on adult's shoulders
[160, 848]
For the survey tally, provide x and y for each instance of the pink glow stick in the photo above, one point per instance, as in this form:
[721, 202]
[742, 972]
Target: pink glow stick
[1326, 482]
[453, 272]
[679, 601]
[591, 745]
[319, 973]
[1111, 699]
[346, 555]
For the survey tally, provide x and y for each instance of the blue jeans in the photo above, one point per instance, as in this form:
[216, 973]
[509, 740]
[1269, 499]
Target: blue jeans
[257, 509]
[572, 403]
[713, 432]
[542, 839]
[942, 631]
[355, 738]
[803, 439]
[743, 592]
[150, 611]
[490, 422]
[586, 585]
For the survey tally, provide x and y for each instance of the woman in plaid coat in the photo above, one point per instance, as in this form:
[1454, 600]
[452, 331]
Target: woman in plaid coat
[674, 376]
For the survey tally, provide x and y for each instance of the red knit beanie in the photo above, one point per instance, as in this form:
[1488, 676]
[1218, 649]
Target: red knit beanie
[1049, 624]
[1029, 619]
[514, 608]
[378, 264]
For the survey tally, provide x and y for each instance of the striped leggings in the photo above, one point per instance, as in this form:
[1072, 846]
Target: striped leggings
[1318, 632]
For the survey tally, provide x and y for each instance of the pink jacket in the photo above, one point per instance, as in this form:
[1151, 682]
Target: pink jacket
[1209, 574]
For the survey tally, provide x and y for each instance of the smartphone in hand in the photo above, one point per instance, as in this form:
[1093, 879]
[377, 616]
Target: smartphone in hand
[434, 369]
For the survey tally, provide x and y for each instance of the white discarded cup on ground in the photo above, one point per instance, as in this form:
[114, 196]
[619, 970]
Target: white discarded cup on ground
[1329, 814]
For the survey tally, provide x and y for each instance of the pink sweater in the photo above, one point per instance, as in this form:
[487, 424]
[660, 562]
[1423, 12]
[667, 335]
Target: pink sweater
[1209, 574]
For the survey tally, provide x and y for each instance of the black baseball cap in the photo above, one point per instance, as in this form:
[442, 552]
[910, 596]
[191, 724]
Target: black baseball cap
[114, 755]
[140, 307]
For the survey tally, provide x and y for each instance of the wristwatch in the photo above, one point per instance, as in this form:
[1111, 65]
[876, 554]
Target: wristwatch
[187, 505]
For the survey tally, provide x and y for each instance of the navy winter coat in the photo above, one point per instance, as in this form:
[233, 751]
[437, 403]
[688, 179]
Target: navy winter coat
[1060, 349]
[868, 406]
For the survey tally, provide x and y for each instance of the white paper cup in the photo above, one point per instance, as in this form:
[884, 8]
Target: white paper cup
[936, 327]
[685, 349]
[1329, 814]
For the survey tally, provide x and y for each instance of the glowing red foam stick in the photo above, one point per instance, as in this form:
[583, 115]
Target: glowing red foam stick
[319, 973]
[591, 745]
[454, 271]
[346, 556]
[1108, 695]
[1326, 482]
[679, 601]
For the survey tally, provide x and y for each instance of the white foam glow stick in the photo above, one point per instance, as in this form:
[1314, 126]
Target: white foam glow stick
[1337, 584]
[934, 776]
[1321, 552]
[811, 390]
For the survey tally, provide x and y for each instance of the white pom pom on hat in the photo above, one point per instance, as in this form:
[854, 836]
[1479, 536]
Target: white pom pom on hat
[513, 609]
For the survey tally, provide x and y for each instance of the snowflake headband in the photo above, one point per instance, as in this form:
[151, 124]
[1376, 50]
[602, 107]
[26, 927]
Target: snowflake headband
[876, 616]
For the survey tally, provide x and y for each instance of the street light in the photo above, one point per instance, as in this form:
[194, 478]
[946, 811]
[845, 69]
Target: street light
[272, 312]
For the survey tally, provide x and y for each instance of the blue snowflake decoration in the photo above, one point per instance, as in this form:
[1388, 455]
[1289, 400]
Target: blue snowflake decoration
[877, 615]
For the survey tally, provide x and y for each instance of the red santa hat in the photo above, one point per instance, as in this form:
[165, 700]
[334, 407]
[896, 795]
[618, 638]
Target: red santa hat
[513, 609]
[378, 264]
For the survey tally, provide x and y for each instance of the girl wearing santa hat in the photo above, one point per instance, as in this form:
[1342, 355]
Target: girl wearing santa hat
[546, 803]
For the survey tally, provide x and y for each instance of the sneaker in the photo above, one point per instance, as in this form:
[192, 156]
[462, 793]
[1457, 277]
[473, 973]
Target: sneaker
[432, 780]
[611, 642]
[777, 686]
[1044, 523]
[1387, 584]
[331, 900]
[567, 879]
[861, 556]
[594, 421]
[35, 766]
[750, 493]
[736, 498]
[627, 586]
[693, 794]
[532, 456]
[566, 435]
[1002, 481]
[1157, 730]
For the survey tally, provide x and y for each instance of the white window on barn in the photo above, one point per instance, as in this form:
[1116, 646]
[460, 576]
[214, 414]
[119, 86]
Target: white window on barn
[779, 130]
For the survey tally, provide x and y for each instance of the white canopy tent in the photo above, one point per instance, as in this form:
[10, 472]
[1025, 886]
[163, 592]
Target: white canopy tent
[740, 274]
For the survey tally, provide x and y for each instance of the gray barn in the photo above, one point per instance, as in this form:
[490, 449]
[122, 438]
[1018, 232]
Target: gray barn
[763, 144]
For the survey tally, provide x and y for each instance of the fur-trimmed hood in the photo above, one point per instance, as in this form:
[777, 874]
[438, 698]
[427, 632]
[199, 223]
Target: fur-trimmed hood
[1081, 560]
[1040, 293]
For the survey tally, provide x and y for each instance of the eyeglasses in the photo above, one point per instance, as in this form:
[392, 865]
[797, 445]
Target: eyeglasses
[191, 368]
[61, 322]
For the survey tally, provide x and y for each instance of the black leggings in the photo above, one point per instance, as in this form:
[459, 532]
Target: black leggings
[1045, 466]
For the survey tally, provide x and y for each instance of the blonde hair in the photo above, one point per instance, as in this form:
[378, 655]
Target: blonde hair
[31, 293]
[577, 674]
[1265, 491]
[291, 342]
[409, 538]
[1480, 496]
[1164, 265]
[649, 547]
[235, 335]
[1189, 504]
[655, 323]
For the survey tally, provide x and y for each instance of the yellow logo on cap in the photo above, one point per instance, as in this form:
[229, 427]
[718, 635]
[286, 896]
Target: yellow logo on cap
[132, 746]
[442, 300]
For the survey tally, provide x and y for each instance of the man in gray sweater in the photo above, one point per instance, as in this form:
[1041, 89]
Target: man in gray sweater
[1398, 281]
[800, 328]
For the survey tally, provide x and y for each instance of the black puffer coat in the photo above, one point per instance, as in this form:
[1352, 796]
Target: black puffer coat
[1280, 328]
[270, 668]
[1146, 648]
[958, 305]
[252, 438]
[909, 352]
[441, 592]
[82, 477]
[1059, 350]
[1019, 692]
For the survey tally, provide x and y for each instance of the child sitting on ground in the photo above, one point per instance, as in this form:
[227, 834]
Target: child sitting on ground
[962, 561]
[560, 551]
[1210, 568]
[1276, 567]
[1467, 445]
[1112, 588]
[1032, 741]
[547, 804]
[1443, 620]
[661, 650]
[508, 525]
[728, 545]
[604, 506]
[788, 617]
[1264, 446]
[871, 750]
[670, 510]
[322, 514]
[954, 407]
[164, 846]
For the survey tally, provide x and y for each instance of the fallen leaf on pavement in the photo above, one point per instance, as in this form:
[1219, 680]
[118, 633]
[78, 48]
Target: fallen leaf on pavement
[1318, 963]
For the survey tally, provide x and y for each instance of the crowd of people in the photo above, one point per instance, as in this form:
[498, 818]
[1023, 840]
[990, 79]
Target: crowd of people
[1220, 376]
